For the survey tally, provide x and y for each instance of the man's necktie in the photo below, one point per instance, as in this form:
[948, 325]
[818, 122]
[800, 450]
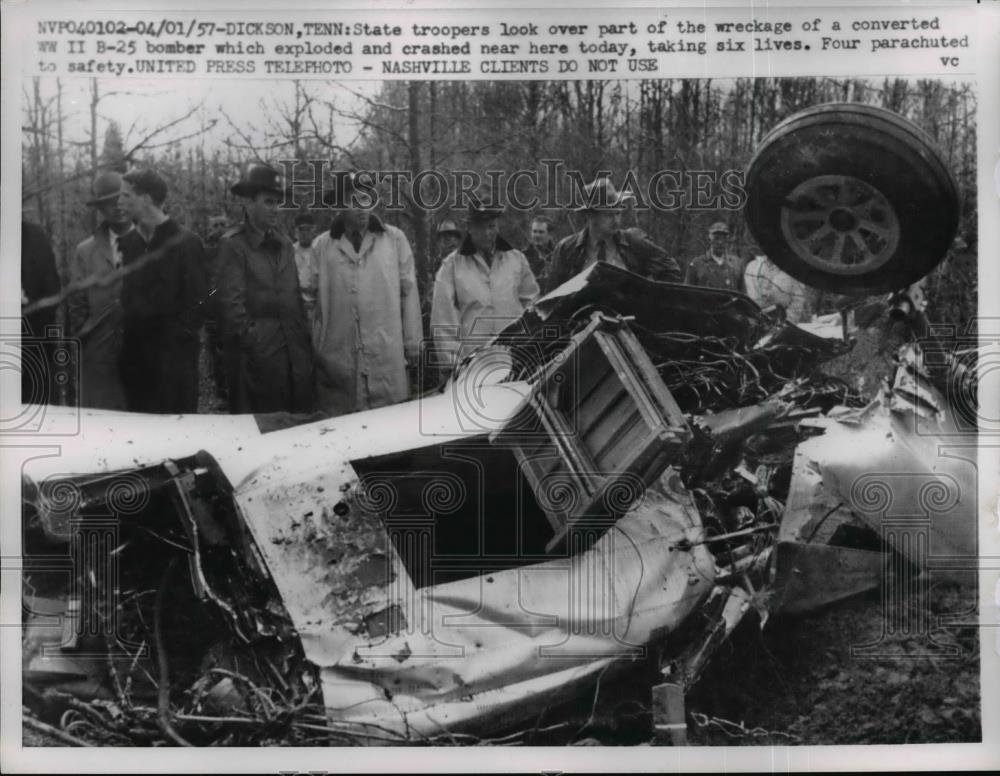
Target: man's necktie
[116, 254]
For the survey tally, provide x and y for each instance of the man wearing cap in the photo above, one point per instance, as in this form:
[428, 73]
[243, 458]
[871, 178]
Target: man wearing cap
[163, 301]
[95, 312]
[602, 240]
[448, 238]
[368, 327]
[540, 246]
[305, 261]
[479, 289]
[717, 267]
[264, 318]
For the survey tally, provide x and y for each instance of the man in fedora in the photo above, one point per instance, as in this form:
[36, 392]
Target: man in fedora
[479, 289]
[603, 240]
[95, 312]
[263, 316]
[368, 327]
[717, 267]
[164, 293]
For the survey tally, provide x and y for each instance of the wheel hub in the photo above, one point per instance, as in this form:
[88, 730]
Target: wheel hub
[840, 224]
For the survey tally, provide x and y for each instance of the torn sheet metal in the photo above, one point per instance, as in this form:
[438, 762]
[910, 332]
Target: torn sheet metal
[915, 493]
[808, 576]
[472, 653]
[692, 309]
[813, 512]
[741, 422]
[237, 445]
[329, 556]
[95, 442]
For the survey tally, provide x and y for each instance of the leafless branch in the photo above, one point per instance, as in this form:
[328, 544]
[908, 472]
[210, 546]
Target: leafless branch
[144, 143]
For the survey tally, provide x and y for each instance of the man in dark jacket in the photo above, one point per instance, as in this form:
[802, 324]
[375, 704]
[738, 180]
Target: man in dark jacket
[163, 298]
[39, 279]
[540, 246]
[717, 267]
[603, 241]
[264, 319]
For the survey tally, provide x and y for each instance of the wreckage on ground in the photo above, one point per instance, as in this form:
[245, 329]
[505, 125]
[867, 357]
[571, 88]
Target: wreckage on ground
[615, 481]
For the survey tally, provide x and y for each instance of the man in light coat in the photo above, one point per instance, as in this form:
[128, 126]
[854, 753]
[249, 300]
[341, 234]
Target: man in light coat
[769, 285]
[368, 328]
[95, 312]
[479, 289]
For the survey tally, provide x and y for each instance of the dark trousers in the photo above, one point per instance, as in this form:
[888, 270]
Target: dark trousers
[159, 368]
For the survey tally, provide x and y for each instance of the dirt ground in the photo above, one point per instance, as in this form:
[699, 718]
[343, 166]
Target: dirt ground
[801, 681]
[809, 680]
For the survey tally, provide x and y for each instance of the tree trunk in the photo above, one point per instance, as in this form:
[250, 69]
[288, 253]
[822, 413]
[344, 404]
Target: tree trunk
[94, 99]
[60, 243]
[418, 216]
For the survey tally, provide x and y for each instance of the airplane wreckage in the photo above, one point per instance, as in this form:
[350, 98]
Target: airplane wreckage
[617, 478]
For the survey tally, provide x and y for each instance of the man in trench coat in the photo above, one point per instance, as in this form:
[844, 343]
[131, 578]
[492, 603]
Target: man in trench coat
[95, 313]
[368, 327]
[267, 335]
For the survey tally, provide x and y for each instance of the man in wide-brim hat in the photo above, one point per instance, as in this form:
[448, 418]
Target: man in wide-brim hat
[258, 179]
[480, 288]
[368, 329]
[95, 313]
[269, 349]
[603, 240]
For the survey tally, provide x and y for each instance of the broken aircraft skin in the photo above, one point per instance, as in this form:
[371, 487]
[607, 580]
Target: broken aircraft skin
[399, 576]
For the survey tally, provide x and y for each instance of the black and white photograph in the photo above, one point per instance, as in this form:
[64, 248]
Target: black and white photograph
[498, 409]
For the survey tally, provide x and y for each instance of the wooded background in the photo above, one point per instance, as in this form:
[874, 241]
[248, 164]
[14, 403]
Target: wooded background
[639, 126]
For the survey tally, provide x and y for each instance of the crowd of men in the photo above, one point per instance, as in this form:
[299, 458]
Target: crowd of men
[329, 321]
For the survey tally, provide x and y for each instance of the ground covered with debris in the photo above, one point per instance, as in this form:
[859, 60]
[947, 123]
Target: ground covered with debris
[796, 682]
[799, 681]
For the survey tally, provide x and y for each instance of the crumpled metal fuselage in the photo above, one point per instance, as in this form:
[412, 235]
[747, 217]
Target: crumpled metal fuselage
[402, 655]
